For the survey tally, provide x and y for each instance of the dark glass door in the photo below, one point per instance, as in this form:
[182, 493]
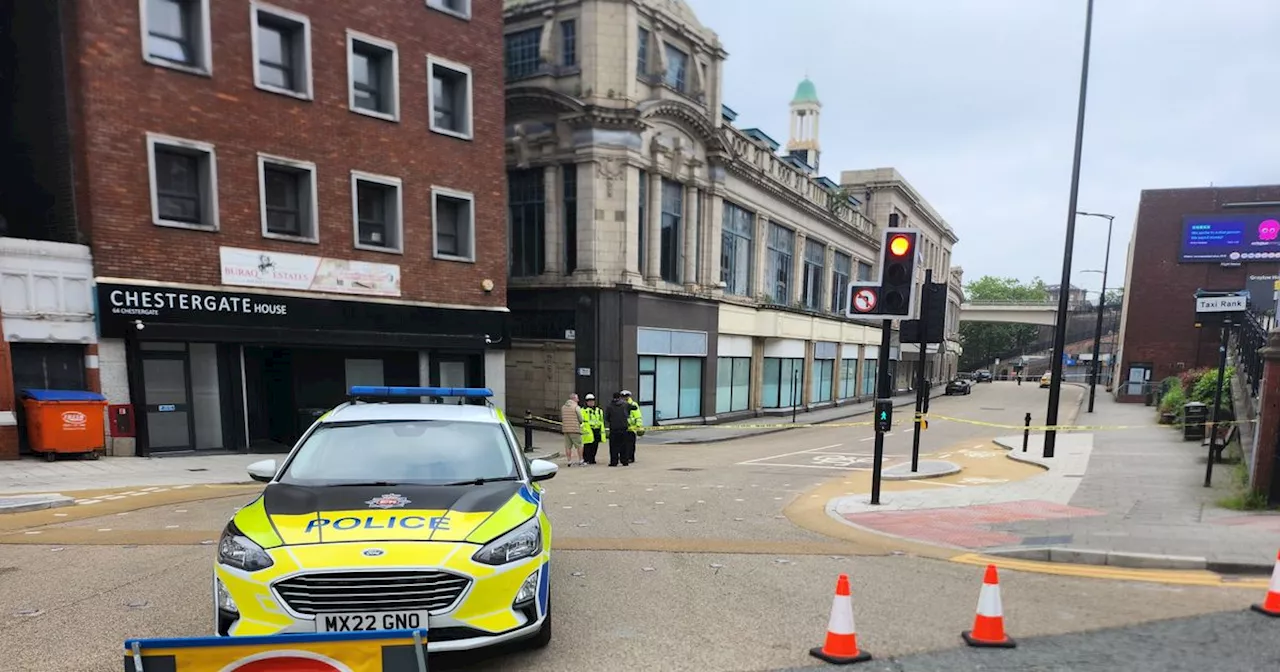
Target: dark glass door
[166, 379]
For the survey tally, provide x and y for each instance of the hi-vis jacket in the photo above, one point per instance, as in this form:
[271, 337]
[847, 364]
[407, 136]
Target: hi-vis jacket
[635, 421]
[591, 420]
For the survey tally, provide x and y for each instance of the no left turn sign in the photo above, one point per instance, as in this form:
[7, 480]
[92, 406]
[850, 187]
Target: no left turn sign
[864, 301]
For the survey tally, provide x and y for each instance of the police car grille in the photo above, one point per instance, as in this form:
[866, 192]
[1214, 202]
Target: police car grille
[339, 592]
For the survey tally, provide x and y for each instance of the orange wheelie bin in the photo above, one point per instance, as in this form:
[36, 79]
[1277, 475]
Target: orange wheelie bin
[64, 422]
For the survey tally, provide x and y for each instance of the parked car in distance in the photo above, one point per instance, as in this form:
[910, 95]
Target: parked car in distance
[983, 376]
[959, 386]
[1046, 379]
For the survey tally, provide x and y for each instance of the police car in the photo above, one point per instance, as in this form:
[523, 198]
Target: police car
[391, 515]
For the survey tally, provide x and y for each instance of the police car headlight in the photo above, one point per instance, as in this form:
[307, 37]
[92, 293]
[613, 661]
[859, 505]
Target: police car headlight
[522, 542]
[239, 551]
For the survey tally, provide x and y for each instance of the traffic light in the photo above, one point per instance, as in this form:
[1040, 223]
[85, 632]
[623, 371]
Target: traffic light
[898, 273]
[884, 415]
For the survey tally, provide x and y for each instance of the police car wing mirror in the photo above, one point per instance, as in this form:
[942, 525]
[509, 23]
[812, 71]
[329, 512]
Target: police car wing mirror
[541, 470]
[263, 470]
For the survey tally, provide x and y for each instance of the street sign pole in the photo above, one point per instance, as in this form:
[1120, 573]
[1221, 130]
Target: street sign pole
[1217, 400]
[921, 394]
[882, 400]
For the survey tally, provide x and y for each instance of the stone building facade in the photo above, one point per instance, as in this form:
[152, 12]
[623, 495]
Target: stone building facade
[656, 244]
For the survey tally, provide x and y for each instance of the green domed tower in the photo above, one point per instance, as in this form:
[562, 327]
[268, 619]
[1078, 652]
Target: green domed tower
[805, 111]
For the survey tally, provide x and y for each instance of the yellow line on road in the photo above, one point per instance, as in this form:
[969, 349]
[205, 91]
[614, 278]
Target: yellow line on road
[1166, 576]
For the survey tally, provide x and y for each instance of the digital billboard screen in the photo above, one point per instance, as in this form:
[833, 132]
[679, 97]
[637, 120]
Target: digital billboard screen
[1230, 238]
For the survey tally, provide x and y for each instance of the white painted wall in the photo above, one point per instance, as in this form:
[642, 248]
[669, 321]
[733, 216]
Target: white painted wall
[46, 291]
[495, 375]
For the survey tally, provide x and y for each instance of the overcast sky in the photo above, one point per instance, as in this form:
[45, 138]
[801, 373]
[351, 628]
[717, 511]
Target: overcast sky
[974, 102]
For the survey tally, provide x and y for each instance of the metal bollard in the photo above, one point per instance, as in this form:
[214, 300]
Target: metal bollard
[1026, 432]
[528, 431]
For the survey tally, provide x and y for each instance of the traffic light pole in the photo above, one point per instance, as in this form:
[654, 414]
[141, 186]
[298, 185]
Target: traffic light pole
[883, 389]
[921, 395]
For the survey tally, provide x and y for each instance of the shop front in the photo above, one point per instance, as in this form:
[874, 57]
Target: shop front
[250, 371]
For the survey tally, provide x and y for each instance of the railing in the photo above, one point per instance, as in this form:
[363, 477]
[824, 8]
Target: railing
[1034, 304]
[1247, 341]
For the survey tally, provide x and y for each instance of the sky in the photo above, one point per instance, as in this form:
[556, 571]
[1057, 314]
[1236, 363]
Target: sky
[975, 103]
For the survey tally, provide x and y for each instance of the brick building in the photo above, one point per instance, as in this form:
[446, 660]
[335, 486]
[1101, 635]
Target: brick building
[282, 202]
[1158, 336]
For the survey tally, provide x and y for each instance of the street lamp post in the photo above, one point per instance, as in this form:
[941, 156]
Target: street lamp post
[1060, 329]
[1102, 303]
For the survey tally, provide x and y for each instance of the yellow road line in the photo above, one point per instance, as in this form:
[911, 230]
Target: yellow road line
[1166, 576]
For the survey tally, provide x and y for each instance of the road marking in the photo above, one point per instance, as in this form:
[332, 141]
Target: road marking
[774, 457]
[869, 438]
[1169, 576]
[817, 466]
[927, 482]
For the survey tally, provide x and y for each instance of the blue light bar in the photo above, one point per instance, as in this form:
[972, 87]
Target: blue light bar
[383, 391]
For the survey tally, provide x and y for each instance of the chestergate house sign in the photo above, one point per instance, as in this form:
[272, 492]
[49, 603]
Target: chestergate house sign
[227, 314]
[142, 303]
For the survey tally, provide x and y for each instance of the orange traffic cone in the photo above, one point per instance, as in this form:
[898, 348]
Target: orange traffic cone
[841, 647]
[988, 625]
[1271, 606]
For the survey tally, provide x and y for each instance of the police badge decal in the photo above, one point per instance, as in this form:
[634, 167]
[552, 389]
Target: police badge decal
[388, 501]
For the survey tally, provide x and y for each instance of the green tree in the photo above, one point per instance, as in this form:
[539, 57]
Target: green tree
[984, 341]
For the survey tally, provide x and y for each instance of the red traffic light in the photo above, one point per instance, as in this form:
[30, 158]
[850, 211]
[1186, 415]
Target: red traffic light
[899, 245]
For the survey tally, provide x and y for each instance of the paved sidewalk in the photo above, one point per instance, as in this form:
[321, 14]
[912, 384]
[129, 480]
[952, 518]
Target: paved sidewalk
[34, 475]
[1111, 497]
[768, 424]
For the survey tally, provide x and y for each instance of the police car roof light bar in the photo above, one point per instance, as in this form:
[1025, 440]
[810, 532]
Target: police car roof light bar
[385, 391]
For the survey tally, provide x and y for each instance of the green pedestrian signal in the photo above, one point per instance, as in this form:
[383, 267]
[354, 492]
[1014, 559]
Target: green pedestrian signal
[884, 415]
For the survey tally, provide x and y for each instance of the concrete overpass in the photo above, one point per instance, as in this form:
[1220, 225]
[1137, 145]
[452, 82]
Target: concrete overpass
[1011, 312]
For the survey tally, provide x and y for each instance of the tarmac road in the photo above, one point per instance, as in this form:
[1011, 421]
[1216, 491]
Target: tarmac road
[683, 561]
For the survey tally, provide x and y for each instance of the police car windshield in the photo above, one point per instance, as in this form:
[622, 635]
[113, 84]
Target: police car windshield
[424, 452]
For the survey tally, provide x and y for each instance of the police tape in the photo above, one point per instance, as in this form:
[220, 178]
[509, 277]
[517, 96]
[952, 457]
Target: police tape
[924, 418]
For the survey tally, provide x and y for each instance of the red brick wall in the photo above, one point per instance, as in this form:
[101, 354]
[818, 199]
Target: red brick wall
[1160, 322]
[122, 98]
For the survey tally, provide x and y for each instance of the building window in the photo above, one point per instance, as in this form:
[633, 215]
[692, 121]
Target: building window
[677, 68]
[526, 212]
[737, 249]
[733, 384]
[458, 8]
[568, 43]
[815, 257]
[670, 266]
[869, 367]
[782, 382]
[176, 34]
[779, 263]
[282, 51]
[453, 215]
[823, 378]
[842, 267]
[521, 53]
[848, 378]
[642, 252]
[569, 178]
[864, 272]
[373, 66]
[450, 99]
[288, 198]
[184, 183]
[670, 387]
[642, 52]
[378, 210]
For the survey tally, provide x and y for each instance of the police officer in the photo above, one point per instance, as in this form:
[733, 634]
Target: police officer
[635, 424]
[593, 430]
[616, 419]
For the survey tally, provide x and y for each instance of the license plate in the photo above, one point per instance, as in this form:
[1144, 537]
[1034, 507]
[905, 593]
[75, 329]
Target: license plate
[371, 620]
